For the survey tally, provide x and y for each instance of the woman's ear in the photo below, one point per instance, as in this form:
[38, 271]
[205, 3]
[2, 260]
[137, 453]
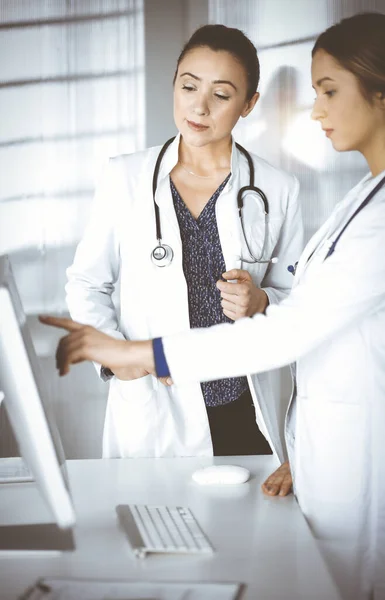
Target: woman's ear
[250, 105]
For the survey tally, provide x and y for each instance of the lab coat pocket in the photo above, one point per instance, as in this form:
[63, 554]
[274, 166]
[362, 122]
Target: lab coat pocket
[133, 388]
[133, 408]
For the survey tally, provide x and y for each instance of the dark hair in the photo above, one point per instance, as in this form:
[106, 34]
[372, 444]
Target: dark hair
[358, 44]
[227, 39]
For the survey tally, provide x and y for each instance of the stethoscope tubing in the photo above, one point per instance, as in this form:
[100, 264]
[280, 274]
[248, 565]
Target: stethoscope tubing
[162, 254]
[155, 185]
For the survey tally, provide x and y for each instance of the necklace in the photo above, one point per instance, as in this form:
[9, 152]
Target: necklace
[195, 174]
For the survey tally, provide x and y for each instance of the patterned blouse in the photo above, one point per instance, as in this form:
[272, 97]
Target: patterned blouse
[203, 265]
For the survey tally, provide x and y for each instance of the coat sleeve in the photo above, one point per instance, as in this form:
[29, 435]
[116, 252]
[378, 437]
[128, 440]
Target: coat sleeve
[337, 294]
[95, 270]
[278, 281]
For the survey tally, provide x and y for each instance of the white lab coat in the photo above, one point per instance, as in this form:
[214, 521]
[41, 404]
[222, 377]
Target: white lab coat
[333, 325]
[144, 417]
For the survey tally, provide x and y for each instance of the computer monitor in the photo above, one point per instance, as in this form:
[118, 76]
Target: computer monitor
[31, 418]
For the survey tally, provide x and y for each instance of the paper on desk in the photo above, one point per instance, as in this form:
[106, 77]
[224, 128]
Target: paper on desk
[66, 589]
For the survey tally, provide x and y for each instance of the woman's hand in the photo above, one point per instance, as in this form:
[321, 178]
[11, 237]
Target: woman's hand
[243, 298]
[128, 373]
[280, 482]
[84, 342]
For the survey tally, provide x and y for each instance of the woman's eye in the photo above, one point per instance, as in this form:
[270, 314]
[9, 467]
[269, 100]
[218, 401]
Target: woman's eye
[222, 97]
[189, 88]
[330, 93]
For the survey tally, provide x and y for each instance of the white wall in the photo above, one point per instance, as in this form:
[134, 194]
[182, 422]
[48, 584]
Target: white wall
[167, 26]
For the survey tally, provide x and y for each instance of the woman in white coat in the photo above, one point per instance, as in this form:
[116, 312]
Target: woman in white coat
[199, 177]
[332, 324]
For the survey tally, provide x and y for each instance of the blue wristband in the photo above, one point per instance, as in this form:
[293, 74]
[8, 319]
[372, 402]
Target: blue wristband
[161, 365]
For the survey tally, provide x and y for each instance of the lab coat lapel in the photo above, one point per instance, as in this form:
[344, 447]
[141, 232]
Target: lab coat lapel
[311, 246]
[227, 216]
[168, 218]
[163, 196]
[169, 313]
[334, 223]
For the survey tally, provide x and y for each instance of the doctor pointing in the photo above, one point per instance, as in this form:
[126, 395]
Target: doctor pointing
[171, 222]
[332, 324]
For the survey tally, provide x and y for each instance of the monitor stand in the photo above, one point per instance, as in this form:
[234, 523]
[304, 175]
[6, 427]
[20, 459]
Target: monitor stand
[38, 537]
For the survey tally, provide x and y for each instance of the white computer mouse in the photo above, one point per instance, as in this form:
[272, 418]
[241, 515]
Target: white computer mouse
[221, 474]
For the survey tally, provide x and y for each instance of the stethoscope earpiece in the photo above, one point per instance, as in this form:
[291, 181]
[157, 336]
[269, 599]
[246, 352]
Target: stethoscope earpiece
[162, 255]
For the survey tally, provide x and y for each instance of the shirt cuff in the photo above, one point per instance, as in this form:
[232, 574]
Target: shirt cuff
[161, 366]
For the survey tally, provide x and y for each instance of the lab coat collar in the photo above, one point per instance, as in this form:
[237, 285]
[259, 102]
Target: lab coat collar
[234, 164]
[357, 194]
[170, 159]
[353, 199]
[369, 177]
[163, 196]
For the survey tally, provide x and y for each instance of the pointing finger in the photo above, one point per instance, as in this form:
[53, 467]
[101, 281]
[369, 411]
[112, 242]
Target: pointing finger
[61, 322]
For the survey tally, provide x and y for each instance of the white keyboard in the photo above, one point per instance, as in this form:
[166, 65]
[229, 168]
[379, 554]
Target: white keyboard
[162, 529]
[13, 470]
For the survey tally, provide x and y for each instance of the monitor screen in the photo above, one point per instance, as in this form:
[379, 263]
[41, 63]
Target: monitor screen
[27, 405]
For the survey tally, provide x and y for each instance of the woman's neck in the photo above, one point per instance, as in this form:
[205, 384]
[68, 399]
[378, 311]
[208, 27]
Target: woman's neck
[375, 154]
[208, 158]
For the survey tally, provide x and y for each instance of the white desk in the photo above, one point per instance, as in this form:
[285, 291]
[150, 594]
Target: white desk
[262, 542]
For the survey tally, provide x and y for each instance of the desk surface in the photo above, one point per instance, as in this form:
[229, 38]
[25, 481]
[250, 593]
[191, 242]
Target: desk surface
[262, 542]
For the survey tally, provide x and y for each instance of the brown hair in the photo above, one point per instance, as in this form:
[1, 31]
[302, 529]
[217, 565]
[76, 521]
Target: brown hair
[358, 44]
[227, 39]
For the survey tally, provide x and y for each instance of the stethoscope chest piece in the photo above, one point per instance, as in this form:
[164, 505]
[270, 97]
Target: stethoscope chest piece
[162, 255]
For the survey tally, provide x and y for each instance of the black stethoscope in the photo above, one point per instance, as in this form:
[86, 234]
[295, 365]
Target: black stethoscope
[163, 254]
[293, 268]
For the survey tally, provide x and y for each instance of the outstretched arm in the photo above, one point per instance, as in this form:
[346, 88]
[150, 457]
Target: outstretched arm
[84, 342]
[308, 317]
